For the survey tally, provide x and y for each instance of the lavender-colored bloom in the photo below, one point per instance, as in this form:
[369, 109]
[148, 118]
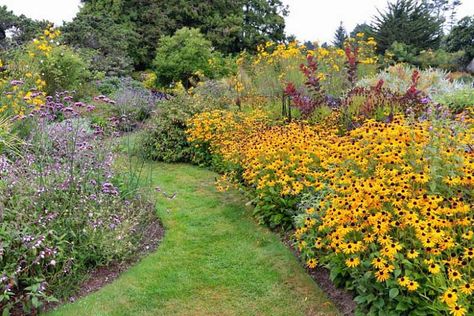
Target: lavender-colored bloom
[425, 100]
[17, 82]
[109, 188]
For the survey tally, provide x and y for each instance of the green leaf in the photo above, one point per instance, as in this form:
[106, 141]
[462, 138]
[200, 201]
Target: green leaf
[402, 306]
[393, 293]
[36, 303]
[6, 312]
[360, 299]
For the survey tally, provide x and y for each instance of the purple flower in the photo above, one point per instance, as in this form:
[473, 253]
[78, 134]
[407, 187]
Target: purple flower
[17, 82]
[425, 100]
[109, 188]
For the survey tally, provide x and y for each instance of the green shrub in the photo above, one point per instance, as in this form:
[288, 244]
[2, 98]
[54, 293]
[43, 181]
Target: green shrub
[164, 138]
[64, 70]
[186, 56]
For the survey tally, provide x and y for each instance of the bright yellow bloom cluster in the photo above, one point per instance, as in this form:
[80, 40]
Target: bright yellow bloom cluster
[22, 86]
[395, 197]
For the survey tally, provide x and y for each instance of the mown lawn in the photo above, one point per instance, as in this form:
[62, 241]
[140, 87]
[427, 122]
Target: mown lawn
[214, 260]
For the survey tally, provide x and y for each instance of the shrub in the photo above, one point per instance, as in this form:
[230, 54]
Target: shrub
[440, 59]
[133, 105]
[398, 78]
[21, 95]
[184, 56]
[164, 137]
[460, 38]
[392, 218]
[54, 67]
[64, 70]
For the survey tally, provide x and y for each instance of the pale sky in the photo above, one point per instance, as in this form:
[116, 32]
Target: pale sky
[308, 19]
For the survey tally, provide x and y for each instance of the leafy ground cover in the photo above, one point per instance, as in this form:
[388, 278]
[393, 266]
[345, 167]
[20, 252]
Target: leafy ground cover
[214, 260]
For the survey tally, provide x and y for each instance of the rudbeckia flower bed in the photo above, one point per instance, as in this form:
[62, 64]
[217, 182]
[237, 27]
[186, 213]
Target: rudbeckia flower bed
[387, 207]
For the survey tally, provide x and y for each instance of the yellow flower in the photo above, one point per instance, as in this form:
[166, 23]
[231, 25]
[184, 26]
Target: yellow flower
[382, 275]
[310, 211]
[403, 281]
[312, 263]
[379, 263]
[412, 286]
[449, 297]
[413, 254]
[434, 268]
[467, 288]
[353, 262]
[457, 310]
[454, 275]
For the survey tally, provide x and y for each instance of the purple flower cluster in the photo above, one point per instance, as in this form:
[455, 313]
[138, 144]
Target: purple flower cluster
[103, 98]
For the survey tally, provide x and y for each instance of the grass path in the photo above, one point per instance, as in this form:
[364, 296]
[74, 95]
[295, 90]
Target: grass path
[214, 260]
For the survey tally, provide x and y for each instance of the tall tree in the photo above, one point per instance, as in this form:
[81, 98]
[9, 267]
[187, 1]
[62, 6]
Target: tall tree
[408, 22]
[462, 38]
[340, 36]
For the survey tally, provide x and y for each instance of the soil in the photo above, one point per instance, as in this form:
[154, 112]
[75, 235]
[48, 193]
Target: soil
[341, 298]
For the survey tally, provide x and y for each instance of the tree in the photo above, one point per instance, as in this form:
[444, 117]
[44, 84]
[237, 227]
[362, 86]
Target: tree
[309, 45]
[181, 56]
[340, 36]
[408, 22]
[444, 10]
[20, 28]
[231, 25]
[110, 43]
[361, 28]
[462, 38]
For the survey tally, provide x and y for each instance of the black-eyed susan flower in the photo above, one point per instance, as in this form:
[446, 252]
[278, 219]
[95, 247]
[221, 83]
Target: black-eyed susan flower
[353, 262]
[457, 310]
[449, 297]
[412, 286]
[312, 263]
[467, 288]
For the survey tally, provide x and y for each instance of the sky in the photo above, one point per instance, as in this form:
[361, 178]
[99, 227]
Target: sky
[308, 19]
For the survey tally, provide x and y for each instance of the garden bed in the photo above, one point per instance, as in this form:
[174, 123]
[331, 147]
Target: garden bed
[102, 276]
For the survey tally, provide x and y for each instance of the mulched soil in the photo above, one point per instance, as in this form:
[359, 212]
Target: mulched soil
[102, 276]
[342, 298]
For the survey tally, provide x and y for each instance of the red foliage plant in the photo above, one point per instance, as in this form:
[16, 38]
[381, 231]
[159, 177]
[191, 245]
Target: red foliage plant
[306, 104]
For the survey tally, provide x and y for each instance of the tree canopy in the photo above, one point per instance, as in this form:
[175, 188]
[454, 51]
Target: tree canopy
[408, 22]
[462, 38]
[230, 25]
[21, 28]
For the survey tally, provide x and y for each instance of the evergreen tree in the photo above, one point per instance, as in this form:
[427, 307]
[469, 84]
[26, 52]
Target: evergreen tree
[309, 45]
[340, 36]
[408, 22]
[462, 38]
